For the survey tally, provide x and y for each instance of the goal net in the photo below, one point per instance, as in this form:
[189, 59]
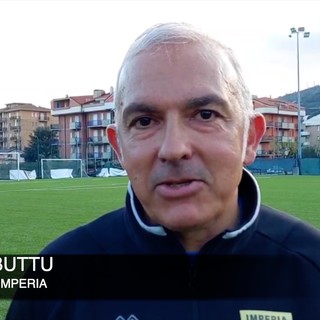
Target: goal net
[62, 168]
[10, 167]
[8, 161]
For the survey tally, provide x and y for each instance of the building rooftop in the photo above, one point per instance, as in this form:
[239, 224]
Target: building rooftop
[17, 106]
[314, 121]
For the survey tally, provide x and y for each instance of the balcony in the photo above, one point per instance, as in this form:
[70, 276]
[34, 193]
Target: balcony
[98, 123]
[264, 153]
[267, 139]
[305, 133]
[285, 139]
[75, 155]
[95, 155]
[269, 124]
[43, 118]
[98, 140]
[75, 141]
[61, 104]
[284, 125]
[14, 117]
[55, 142]
[54, 127]
[106, 155]
[15, 128]
[75, 125]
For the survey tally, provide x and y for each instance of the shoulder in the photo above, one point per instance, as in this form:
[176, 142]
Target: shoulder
[91, 238]
[290, 234]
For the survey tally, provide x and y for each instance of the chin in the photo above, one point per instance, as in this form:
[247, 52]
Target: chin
[183, 224]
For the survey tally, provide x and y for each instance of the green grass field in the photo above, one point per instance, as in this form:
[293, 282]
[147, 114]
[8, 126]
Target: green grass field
[35, 212]
[298, 195]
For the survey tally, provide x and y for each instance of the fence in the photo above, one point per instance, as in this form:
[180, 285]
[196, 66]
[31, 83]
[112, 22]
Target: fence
[6, 167]
[308, 166]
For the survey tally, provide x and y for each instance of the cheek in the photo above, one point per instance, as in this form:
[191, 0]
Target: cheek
[237, 142]
[225, 146]
[137, 159]
[224, 160]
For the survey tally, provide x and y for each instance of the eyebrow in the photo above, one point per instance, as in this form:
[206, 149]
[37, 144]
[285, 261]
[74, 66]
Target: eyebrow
[206, 100]
[135, 107]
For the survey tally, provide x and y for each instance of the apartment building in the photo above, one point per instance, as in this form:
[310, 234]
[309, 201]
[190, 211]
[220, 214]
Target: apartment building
[17, 123]
[282, 126]
[312, 131]
[82, 123]
[81, 128]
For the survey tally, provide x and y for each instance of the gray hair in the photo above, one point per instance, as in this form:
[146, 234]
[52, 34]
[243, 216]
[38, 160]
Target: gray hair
[184, 33]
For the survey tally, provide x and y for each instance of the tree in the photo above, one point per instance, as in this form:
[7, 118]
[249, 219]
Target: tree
[310, 152]
[284, 149]
[40, 145]
[290, 149]
[317, 148]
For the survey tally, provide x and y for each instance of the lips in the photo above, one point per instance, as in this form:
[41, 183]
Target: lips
[179, 182]
[178, 188]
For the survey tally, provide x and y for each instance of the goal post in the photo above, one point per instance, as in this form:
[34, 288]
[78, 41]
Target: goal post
[62, 168]
[9, 163]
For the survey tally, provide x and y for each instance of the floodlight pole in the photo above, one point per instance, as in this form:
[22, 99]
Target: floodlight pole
[38, 153]
[306, 35]
[299, 99]
[38, 148]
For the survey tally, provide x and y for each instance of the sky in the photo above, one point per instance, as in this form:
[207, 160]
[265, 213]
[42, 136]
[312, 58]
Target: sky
[50, 49]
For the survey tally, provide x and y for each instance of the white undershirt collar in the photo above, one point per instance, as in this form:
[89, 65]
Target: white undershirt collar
[160, 231]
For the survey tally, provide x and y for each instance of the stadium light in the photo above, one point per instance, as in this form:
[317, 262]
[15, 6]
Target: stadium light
[296, 32]
[38, 152]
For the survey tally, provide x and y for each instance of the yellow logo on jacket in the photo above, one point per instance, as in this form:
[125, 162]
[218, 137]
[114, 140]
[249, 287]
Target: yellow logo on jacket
[264, 315]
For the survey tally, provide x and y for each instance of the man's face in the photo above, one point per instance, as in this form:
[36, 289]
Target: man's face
[181, 138]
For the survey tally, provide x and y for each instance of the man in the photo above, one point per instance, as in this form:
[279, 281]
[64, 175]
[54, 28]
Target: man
[185, 128]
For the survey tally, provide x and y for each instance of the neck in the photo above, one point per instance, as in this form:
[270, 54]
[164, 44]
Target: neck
[193, 240]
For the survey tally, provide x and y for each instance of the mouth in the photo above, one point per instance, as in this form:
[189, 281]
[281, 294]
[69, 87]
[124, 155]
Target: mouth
[179, 188]
[177, 185]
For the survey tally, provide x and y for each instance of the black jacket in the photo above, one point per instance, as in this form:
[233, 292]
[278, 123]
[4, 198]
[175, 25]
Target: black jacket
[119, 268]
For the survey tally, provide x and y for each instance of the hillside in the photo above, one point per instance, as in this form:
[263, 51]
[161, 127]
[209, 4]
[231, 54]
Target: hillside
[310, 99]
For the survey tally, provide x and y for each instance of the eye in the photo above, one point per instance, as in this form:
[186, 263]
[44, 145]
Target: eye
[206, 114]
[142, 122]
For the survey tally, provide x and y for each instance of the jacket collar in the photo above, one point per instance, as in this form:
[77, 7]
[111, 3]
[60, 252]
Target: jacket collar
[249, 196]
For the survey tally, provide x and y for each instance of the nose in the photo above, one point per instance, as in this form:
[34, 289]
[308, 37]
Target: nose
[176, 142]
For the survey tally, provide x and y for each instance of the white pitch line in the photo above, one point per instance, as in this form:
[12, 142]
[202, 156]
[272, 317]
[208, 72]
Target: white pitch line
[67, 188]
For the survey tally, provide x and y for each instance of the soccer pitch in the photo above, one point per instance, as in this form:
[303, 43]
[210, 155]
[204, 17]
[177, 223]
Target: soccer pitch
[297, 195]
[35, 212]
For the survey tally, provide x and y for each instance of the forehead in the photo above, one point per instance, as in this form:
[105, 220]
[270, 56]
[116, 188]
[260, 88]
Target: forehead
[175, 72]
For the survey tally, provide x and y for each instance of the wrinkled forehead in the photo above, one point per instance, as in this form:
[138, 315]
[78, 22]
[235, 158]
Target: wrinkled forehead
[209, 51]
[207, 54]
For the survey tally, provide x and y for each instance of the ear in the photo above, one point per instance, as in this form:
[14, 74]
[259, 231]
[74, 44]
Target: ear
[257, 129]
[114, 141]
